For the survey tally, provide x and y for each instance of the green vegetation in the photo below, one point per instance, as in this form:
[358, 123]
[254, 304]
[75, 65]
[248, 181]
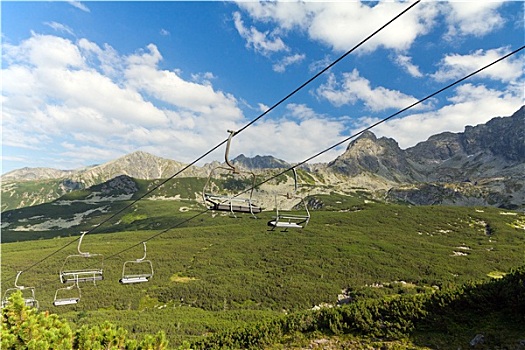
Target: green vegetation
[29, 193]
[405, 321]
[27, 328]
[447, 314]
[229, 281]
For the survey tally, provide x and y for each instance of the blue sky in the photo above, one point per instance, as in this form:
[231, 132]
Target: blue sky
[87, 82]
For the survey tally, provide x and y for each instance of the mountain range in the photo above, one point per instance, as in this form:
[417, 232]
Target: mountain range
[484, 165]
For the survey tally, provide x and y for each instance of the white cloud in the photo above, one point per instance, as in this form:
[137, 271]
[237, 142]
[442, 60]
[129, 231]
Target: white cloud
[472, 17]
[471, 105]
[59, 27]
[18, 80]
[263, 42]
[106, 59]
[405, 62]
[143, 75]
[20, 138]
[301, 111]
[79, 5]
[148, 58]
[86, 153]
[341, 25]
[45, 51]
[286, 13]
[454, 66]
[280, 67]
[263, 107]
[319, 65]
[203, 78]
[354, 88]
[91, 98]
[164, 32]
[291, 140]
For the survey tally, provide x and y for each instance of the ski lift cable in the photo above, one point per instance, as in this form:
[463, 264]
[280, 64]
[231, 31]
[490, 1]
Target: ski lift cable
[328, 67]
[229, 203]
[235, 133]
[160, 233]
[388, 118]
[321, 152]
[340, 142]
[124, 208]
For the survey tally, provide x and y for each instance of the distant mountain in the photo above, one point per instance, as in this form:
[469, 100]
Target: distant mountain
[484, 165]
[139, 165]
[483, 151]
[260, 162]
[29, 174]
[32, 186]
[368, 154]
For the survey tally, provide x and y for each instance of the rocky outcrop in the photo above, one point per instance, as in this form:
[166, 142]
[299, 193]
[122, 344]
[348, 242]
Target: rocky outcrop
[484, 165]
[120, 185]
[29, 174]
[260, 162]
[496, 148]
[368, 154]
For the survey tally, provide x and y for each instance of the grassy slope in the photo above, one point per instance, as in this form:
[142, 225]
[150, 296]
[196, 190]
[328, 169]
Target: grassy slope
[216, 272]
[35, 192]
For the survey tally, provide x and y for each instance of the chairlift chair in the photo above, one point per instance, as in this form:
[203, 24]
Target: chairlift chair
[287, 220]
[69, 299]
[231, 203]
[78, 267]
[28, 293]
[130, 278]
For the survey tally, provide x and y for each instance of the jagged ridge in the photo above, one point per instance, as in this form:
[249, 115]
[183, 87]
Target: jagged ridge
[484, 165]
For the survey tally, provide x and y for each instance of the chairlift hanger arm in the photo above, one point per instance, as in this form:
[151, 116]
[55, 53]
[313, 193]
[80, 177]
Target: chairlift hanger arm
[130, 278]
[226, 158]
[231, 203]
[16, 280]
[144, 256]
[80, 243]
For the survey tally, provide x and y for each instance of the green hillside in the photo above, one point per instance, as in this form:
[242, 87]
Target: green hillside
[443, 319]
[29, 193]
[213, 273]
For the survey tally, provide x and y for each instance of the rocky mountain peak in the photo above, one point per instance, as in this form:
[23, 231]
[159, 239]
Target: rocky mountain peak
[487, 158]
[35, 174]
[496, 144]
[368, 154]
[139, 165]
[260, 162]
[502, 137]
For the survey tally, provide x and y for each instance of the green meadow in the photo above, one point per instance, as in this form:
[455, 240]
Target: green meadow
[214, 274]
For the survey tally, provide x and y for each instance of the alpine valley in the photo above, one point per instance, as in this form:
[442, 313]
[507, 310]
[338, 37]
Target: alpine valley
[484, 165]
[419, 249]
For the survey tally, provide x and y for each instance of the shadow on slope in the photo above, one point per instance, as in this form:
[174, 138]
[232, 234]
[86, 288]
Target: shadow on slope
[448, 319]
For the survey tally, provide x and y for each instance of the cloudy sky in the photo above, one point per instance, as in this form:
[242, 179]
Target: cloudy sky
[87, 82]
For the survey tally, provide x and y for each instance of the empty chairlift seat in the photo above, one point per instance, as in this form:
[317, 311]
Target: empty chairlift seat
[82, 267]
[231, 204]
[28, 294]
[290, 219]
[69, 295]
[137, 271]
[237, 183]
